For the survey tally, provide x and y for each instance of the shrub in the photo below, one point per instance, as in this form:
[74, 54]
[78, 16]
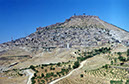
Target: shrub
[35, 74]
[111, 62]
[55, 75]
[32, 67]
[32, 80]
[85, 71]
[52, 68]
[39, 77]
[104, 74]
[42, 67]
[69, 66]
[20, 74]
[128, 52]
[43, 81]
[58, 64]
[122, 58]
[119, 53]
[115, 60]
[52, 74]
[45, 70]
[81, 75]
[42, 75]
[106, 66]
[76, 65]
[48, 75]
[116, 82]
[127, 82]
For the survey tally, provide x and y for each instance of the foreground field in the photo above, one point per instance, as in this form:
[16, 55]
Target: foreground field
[89, 65]
[19, 61]
[95, 66]
[110, 68]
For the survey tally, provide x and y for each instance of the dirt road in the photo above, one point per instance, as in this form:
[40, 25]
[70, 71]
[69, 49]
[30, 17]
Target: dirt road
[81, 65]
[30, 76]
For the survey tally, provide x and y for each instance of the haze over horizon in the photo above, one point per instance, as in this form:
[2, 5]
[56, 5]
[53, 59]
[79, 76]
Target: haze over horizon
[19, 18]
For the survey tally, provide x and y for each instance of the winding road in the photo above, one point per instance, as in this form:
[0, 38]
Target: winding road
[30, 76]
[81, 65]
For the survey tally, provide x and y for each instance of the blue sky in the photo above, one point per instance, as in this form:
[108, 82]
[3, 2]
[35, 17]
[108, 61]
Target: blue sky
[19, 18]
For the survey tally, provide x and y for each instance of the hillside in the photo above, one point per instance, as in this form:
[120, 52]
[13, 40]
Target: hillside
[82, 30]
[79, 48]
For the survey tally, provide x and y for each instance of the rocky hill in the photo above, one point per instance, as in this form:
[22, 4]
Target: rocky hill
[77, 31]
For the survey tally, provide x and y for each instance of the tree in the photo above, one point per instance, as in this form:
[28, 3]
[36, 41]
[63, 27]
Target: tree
[48, 75]
[45, 70]
[115, 60]
[69, 66]
[55, 75]
[128, 59]
[106, 66]
[35, 75]
[58, 64]
[76, 65]
[81, 75]
[42, 67]
[51, 68]
[43, 81]
[122, 58]
[119, 53]
[32, 80]
[32, 67]
[111, 62]
[52, 74]
[104, 74]
[42, 75]
[128, 52]
[84, 53]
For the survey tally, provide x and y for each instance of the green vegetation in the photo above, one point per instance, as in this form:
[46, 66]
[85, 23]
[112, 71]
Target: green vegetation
[35, 74]
[111, 62]
[119, 53]
[76, 65]
[127, 82]
[90, 54]
[51, 68]
[32, 80]
[106, 66]
[33, 68]
[122, 58]
[45, 70]
[59, 64]
[49, 74]
[43, 81]
[128, 52]
[116, 82]
[42, 75]
[81, 75]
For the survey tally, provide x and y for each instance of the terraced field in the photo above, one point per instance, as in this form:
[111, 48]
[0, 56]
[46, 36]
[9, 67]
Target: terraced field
[110, 73]
[106, 68]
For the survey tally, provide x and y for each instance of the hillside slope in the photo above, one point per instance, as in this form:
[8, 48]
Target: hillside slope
[77, 31]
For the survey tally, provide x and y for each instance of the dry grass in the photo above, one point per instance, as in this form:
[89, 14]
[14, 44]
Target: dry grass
[91, 64]
[14, 80]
